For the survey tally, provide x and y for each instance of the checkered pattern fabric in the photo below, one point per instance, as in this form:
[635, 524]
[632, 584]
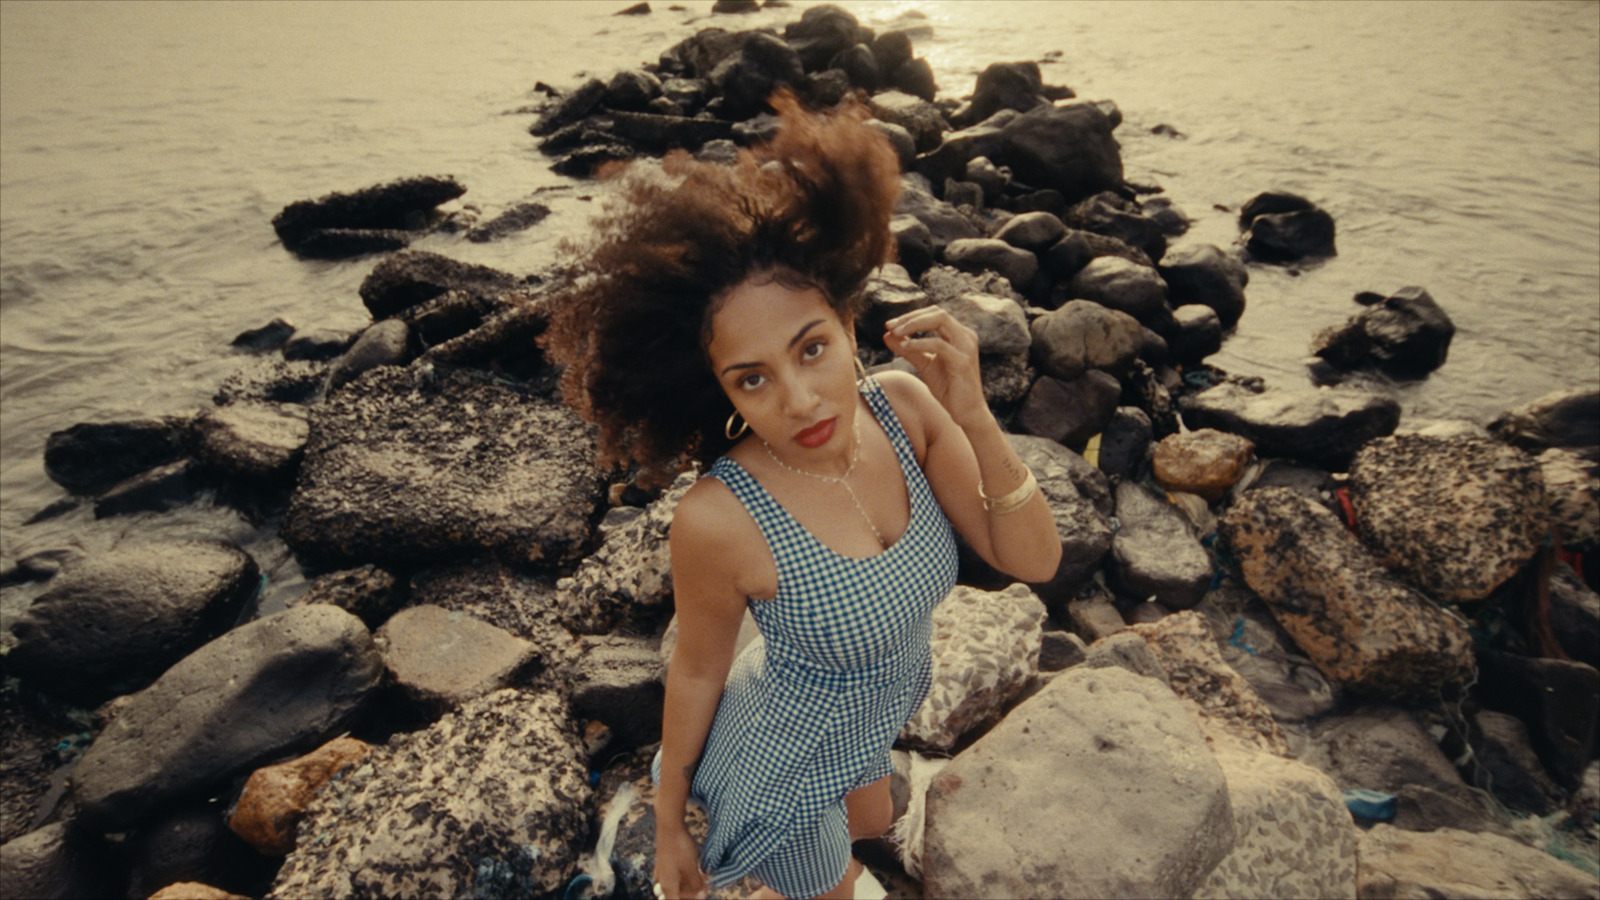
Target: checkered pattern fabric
[812, 707]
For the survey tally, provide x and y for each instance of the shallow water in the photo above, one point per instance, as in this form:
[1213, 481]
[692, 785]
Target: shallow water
[145, 147]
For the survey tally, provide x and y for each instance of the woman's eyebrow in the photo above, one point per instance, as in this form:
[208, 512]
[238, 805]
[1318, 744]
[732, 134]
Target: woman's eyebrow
[792, 341]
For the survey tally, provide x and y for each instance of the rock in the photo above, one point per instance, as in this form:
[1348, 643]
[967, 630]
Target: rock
[1094, 618]
[1205, 462]
[488, 802]
[1294, 834]
[829, 87]
[347, 243]
[1000, 86]
[956, 149]
[518, 217]
[1125, 443]
[1169, 218]
[1155, 552]
[268, 337]
[316, 345]
[1069, 412]
[889, 293]
[1108, 214]
[1226, 702]
[280, 683]
[1459, 864]
[1572, 492]
[113, 622]
[1382, 749]
[90, 457]
[1272, 202]
[1454, 516]
[822, 33]
[1253, 643]
[985, 651]
[256, 442]
[1031, 231]
[1018, 266]
[1575, 616]
[1196, 333]
[993, 181]
[1569, 419]
[746, 78]
[638, 9]
[915, 77]
[58, 862]
[1080, 502]
[1144, 389]
[488, 590]
[158, 490]
[193, 844]
[725, 7]
[275, 797]
[1060, 650]
[1505, 764]
[194, 890]
[385, 343]
[366, 592]
[401, 205]
[913, 244]
[944, 284]
[858, 63]
[1556, 698]
[1118, 284]
[945, 223]
[1406, 335]
[1290, 236]
[410, 471]
[441, 659]
[1200, 273]
[407, 279]
[1361, 626]
[891, 49]
[582, 162]
[1006, 816]
[905, 146]
[1000, 323]
[618, 680]
[1125, 650]
[963, 194]
[631, 90]
[576, 104]
[1319, 426]
[628, 580]
[1066, 148]
[1084, 335]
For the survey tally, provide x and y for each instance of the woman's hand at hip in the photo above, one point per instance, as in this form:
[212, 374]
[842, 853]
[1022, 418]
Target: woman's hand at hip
[678, 872]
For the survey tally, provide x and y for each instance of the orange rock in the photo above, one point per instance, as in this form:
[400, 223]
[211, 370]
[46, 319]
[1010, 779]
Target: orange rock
[194, 890]
[1205, 462]
[275, 797]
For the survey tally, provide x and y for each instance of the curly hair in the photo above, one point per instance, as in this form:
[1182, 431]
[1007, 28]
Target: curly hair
[632, 321]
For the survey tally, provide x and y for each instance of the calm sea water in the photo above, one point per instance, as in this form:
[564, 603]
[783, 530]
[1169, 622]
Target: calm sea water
[144, 148]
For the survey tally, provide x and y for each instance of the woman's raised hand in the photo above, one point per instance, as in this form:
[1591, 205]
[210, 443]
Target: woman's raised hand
[678, 872]
[945, 354]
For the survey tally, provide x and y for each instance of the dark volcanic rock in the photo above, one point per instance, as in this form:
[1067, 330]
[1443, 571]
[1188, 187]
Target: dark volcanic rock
[520, 217]
[345, 243]
[1556, 698]
[91, 457]
[410, 469]
[1070, 412]
[1080, 502]
[1015, 85]
[1454, 516]
[1118, 284]
[384, 343]
[257, 442]
[1288, 236]
[822, 33]
[407, 279]
[859, 66]
[945, 223]
[279, 684]
[1155, 552]
[914, 114]
[158, 490]
[570, 108]
[1084, 335]
[59, 862]
[1125, 443]
[1323, 427]
[1204, 274]
[978, 254]
[1108, 214]
[317, 345]
[396, 206]
[113, 622]
[745, 79]
[632, 89]
[489, 802]
[915, 77]
[367, 592]
[1406, 335]
[1568, 418]
[1068, 148]
[268, 337]
[1195, 334]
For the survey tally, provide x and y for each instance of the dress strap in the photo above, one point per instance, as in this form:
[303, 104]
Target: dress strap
[884, 411]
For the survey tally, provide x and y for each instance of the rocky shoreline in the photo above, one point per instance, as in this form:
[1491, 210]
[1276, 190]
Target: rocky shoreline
[1296, 646]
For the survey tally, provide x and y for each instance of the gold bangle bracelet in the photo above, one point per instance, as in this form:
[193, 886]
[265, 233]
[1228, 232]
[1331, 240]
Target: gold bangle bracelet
[1010, 503]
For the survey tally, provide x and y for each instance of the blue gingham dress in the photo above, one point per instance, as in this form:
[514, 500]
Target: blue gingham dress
[811, 708]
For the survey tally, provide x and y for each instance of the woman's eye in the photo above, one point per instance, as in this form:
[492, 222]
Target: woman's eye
[751, 382]
[812, 351]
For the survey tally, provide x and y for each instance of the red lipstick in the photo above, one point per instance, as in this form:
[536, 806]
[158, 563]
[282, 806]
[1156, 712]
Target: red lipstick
[817, 435]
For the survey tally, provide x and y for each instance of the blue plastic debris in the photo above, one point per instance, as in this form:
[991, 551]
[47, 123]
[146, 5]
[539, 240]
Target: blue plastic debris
[1374, 806]
[1237, 638]
[575, 888]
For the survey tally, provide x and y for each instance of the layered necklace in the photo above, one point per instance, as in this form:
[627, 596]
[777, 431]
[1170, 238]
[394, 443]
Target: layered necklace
[855, 456]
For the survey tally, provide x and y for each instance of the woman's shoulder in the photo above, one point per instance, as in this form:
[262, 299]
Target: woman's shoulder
[714, 533]
[911, 400]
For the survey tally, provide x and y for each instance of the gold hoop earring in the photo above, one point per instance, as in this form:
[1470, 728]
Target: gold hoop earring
[861, 371]
[735, 433]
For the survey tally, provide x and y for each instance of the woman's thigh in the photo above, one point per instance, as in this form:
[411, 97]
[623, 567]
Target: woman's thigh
[870, 809]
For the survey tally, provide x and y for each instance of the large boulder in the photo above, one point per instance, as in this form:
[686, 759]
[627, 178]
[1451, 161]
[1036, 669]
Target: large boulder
[1080, 502]
[822, 32]
[1205, 462]
[1155, 552]
[522, 603]
[115, 621]
[1070, 412]
[991, 254]
[1201, 273]
[407, 279]
[1567, 418]
[1320, 426]
[441, 659]
[1000, 323]
[1183, 645]
[1118, 284]
[1459, 864]
[572, 106]
[408, 470]
[90, 457]
[1454, 516]
[255, 441]
[318, 228]
[1193, 333]
[628, 580]
[1125, 443]
[1572, 492]
[1002, 85]
[1556, 698]
[916, 115]
[985, 652]
[1360, 625]
[1282, 227]
[488, 802]
[1084, 335]
[1100, 785]
[1294, 834]
[283, 683]
[385, 343]
[945, 223]
[1405, 334]
[1067, 148]
[1032, 231]
[1109, 214]
[746, 78]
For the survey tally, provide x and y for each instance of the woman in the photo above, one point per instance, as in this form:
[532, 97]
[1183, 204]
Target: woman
[713, 320]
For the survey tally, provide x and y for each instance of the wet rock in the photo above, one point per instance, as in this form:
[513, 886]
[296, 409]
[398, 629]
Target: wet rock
[59, 862]
[1454, 516]
[891, 49]
[1406, 335]
[570, 108]
[382, 344]
[366, 592]
[1125, 443]
[1118, 284]
[725, 7]
[1069, 412]
[1569, 419]
[1361, 626]
[415, 471]
[305, 226]
[415, 276]
[1286, 227]
[1144, 388]
[1000, 323]
[1032, 231]
[1155, 552]
[519, 217]
[448, 316]
[1319, 426]
[829, 87]
[654, 133]
[1169, 218]
[975, 254]
[1452, 863]
[1084, 335]
[441, 659]
[192, 844]
[582, 162]
[275, 797]
[1108, 214]
[617, 680]
[488, 802]
[905, 146]
[1080, 503]
[505, 344]
[1555, 698]
[1068, 148]
[945, 223]
[268, 337]
[281, 683]
[1205, 462]
[1572, 492]
[1205, 275]
[1504, 763]
[1014, 85]
[158, 490]
[915, 77]
[257, 442]
[1227, 703]
[956, 149]
[316, 345]
[1575, 615]
[1294, 834]
[90, 457]
[822, 33]
[631, 90]
[113, 622]
[746, 78]
[1195, 334]
[985, 652]
[522, 604]
[628, 580]
[290, 381]
[859, 65]
[999, 820]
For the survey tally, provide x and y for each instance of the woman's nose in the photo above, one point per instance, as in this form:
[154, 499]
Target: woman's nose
[798, 397]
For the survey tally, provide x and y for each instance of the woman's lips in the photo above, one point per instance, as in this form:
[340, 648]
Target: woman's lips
[816, 435]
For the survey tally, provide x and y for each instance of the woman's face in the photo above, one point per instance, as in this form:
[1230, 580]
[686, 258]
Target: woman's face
[787, 361]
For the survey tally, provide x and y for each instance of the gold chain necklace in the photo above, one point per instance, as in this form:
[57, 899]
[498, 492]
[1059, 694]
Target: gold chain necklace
[855, 456]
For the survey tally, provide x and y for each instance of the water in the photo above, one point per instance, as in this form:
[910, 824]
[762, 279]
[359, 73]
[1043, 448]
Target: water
[145, 147]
